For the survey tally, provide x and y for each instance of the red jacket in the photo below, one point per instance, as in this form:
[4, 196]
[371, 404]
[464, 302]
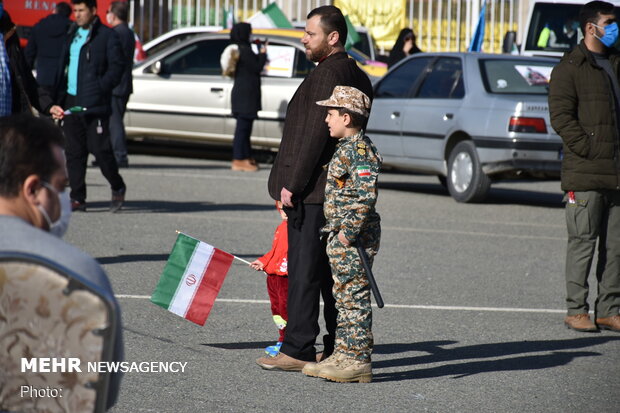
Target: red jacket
[275, 261]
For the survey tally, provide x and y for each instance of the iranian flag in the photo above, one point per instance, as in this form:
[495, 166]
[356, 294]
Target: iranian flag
[192, 278]
[271, 17]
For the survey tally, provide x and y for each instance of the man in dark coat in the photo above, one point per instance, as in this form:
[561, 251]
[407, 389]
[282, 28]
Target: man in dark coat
[91, 66]
[45, 43]
[298, 179]
[246, 95]
[117, 16]
[584, 103]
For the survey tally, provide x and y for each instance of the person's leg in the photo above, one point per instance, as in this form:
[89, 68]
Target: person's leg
[351, 361]
[273, 289]
[117, 129]
[608, 298]
[306, 274]
[100, 146]
[76, 152]
[582, 223]
[281, 289]
[241, 139]
[352, 293]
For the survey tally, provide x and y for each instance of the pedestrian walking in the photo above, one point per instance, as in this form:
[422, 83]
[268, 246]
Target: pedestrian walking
[350, 198]
[584, 102]
[298, 179]
[275, 265]
[245, 97]
[117, 16]
[92, 64]
[45, 43]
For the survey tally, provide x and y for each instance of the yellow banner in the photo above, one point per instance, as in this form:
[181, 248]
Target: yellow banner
[384, 19]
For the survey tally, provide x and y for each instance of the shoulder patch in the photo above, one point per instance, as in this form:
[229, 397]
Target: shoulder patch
[363, 170]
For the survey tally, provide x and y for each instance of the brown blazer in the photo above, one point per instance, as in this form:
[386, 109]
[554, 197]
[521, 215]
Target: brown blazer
[306, 145]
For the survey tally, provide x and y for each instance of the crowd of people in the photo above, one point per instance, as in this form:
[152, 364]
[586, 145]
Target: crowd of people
[324, 177]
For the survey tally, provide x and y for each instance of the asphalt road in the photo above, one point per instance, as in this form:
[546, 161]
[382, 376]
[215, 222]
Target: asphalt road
[473, 293]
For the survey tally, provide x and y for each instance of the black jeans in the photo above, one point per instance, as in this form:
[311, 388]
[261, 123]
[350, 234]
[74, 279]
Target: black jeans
[117, 128]
[309, 276]
[86, 134]
[241, 141]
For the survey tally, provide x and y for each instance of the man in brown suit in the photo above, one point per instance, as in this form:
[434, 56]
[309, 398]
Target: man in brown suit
[298, 180]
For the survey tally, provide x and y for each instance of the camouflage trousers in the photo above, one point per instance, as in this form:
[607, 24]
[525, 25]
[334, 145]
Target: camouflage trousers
[352, 293]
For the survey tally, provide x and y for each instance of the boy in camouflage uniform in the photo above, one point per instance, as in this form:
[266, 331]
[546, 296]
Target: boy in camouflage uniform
[350, 197]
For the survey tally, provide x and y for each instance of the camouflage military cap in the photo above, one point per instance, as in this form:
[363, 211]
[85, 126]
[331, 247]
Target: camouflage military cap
[349, 98]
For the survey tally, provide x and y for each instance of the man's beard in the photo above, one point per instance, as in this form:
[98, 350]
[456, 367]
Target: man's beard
[319, 53]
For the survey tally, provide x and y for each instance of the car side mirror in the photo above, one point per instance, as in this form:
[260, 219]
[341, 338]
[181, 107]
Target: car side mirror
[157, 67]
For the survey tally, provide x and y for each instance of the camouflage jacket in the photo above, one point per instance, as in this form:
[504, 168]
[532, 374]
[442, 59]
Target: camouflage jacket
[351, 189]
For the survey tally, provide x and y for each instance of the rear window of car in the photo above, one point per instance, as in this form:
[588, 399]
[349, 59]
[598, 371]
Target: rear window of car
[516, 76]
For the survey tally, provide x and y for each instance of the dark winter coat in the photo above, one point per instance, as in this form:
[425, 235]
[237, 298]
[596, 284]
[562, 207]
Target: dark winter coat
[306, 145]
[99, 71]
[246, 92]
[45, 43]
[128, 46]
[583, 112]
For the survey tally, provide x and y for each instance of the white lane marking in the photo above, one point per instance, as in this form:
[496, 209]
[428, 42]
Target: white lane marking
[405, 306]
[194, 175]
[212, 216]
[468, 233]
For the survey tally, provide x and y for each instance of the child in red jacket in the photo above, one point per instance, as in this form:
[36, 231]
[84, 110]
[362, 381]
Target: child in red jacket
[275, 264]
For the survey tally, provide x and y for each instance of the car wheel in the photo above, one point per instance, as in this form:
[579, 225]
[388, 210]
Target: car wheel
[466, 181]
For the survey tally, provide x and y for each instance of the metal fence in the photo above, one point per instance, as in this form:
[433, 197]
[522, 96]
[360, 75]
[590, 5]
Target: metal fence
[150, 18]
[440, 25]
[449, 25]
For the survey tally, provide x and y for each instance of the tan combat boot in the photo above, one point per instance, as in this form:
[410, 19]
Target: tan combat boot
[313, 369]
[348, 370]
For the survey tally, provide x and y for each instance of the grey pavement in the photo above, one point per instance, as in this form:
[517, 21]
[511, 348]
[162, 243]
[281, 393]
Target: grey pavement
[474, 299]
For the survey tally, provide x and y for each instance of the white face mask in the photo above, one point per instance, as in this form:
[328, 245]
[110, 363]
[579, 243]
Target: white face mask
[60, 226]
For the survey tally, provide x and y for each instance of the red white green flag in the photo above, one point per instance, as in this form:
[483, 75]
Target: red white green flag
[192, 278]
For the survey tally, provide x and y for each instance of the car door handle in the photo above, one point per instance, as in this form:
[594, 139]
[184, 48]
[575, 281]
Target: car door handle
[217, 89]
[395, 115]
[447, 116]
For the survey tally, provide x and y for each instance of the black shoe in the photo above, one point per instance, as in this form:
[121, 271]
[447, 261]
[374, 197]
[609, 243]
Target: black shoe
[118, 198]
[78, 206]
[94, 163]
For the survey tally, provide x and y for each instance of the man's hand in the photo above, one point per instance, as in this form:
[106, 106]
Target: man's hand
[257, 265]
[286, 197]
[57, 112]
[343, 240]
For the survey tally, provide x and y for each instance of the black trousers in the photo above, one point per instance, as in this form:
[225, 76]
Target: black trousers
[117, 128]
[89, 134]
[309, 276]
[241, 139]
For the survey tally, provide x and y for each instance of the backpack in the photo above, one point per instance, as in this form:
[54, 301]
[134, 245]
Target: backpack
[229, 59]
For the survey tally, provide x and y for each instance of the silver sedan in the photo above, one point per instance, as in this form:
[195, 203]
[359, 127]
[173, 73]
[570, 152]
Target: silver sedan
[469, 118]
[181, 95]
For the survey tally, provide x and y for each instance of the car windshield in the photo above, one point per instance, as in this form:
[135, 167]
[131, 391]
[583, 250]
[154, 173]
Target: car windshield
[516, 76]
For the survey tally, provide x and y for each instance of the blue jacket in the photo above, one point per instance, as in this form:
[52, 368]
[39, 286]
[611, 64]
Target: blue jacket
[99, 71]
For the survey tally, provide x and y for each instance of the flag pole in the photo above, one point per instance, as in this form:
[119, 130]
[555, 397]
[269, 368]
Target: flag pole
[234, 256]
